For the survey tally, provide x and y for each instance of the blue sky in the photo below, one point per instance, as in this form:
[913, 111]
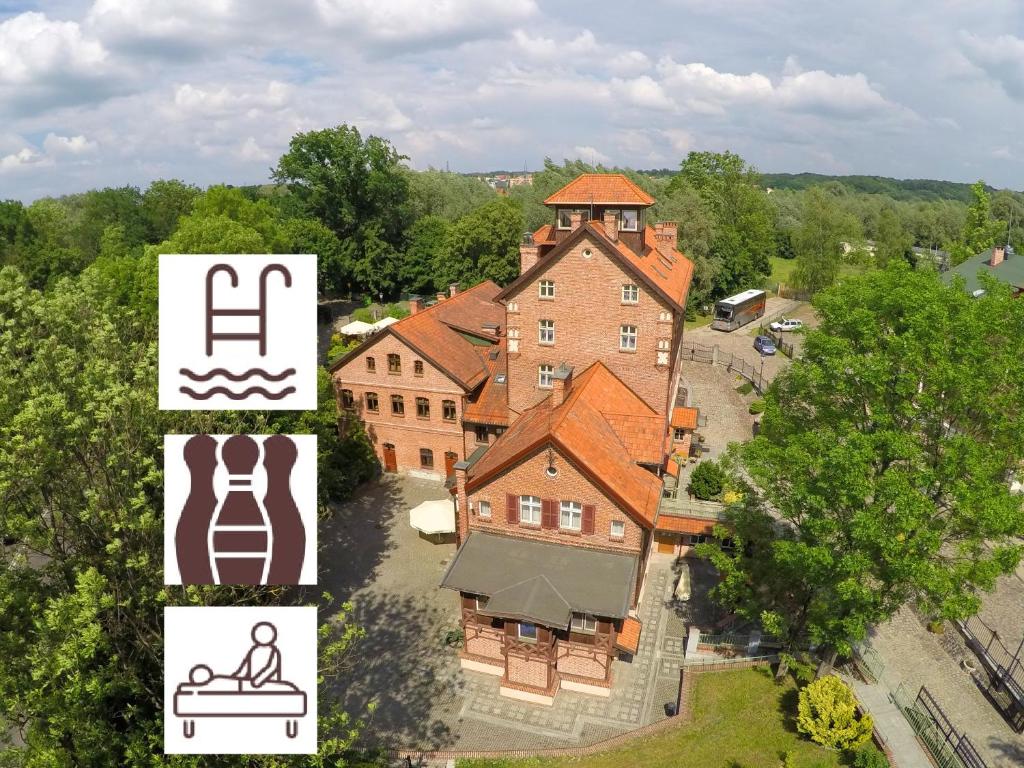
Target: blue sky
[114, 92]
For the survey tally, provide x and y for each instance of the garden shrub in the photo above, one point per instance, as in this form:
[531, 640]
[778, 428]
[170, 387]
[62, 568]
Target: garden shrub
[870, 756]
[745, 388]
[756, 407]
[827, 713]
[707, 480]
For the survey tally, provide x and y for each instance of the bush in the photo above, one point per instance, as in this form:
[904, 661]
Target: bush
[707, 480]
[745, 388]
[756, 407]
[363, 314]
[870, 756]
[827, 713]
[396, 311]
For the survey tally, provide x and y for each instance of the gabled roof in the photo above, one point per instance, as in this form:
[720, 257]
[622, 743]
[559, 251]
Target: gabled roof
[600, 189]
[433, 333]
[684, 418]
[603, 427]
[490, 404]
[668, 276]
[1010, 271]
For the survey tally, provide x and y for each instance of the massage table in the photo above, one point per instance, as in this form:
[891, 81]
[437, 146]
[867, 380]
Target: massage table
[280, 699]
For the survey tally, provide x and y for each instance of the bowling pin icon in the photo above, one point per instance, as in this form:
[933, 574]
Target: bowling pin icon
[239, 539]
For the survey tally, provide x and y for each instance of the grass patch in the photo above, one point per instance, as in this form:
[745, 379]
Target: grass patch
[782, 272]
[699, 322]
[741, 720]
[745, 388]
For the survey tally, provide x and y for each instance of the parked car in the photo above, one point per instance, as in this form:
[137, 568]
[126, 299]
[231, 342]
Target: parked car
[786, 324]
[764, 345]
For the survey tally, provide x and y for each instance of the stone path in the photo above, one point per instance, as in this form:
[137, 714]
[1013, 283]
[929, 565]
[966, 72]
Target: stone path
[424, 700]
[891, 724]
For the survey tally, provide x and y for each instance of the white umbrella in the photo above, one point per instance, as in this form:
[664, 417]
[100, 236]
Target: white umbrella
[383, 323]
[433, 517]
[355, 328]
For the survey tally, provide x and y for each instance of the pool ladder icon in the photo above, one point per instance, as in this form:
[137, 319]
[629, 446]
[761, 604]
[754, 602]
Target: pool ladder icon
[260, 312]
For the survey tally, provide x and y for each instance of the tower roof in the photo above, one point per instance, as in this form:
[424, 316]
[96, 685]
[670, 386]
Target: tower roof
[600, 189]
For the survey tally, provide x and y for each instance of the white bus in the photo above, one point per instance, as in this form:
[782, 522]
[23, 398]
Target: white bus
[736, 311]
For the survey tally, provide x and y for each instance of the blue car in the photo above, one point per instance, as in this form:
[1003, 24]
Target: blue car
[764, 345]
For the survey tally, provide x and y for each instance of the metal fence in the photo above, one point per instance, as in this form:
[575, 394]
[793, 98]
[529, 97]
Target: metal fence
[715, 356]
[948, 747]
[730, 639]
[868, 663]
[1005, 670]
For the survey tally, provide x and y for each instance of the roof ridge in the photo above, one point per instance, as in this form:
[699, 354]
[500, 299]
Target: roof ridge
[427, 310]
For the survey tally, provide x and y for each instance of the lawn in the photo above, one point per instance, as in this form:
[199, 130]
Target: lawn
[740, 720]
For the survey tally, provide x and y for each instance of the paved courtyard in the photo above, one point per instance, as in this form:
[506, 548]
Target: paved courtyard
[424, 701]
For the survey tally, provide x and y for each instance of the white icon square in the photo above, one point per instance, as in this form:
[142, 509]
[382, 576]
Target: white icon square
[237, 332]
[240, 680]
[240, 509]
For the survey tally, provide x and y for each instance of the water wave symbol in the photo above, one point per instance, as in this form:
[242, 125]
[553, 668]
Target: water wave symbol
[251, 373]
[236, 395]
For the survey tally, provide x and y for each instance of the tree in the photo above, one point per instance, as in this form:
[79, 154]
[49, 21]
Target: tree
[483, 245]
[81, 590]
[892, 241]
[818, 240]
[333, 274]
[449, 196]
[164, 202]
[707, 480]
[425, 249]
[980, 230]
[827, 713]
[743, 239]
[879, 476]
[360, 190]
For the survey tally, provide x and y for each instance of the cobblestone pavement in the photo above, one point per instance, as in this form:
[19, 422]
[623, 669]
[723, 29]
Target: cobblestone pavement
[424, 700]
[712, 389]
[914, 656]
[1003, 609]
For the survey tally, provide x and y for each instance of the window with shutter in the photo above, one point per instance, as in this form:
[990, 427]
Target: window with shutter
[588, 518]
[512, 509]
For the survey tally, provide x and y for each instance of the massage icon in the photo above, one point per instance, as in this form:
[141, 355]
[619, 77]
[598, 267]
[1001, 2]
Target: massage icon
[255, 689]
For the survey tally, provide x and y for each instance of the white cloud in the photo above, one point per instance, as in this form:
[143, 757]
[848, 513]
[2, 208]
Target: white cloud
[24, 158]
[1000, 57]
[629, 63]
[549, 49]
[68, 145]
[643, 91]
[590, 155]
[251, 151]
[230, 100]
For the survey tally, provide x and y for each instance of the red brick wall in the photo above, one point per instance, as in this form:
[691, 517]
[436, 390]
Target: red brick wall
[588, 311]
[578, 659]
[528, 478]
[533, 673]
[407, 433]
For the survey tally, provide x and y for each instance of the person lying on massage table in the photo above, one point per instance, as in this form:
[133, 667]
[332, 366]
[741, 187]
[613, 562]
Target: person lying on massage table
[259, 671]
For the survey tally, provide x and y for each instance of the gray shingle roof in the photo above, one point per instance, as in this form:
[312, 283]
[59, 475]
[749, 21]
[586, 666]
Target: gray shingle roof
[1011, 271]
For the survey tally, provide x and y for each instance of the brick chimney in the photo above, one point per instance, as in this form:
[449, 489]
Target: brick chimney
[415, 305]
[529, 252]
[441, 297]
[611, 225]
[561, 383]
[575, 220]
[665, 233]
[998, 255]
[453, 289]
[461, 503]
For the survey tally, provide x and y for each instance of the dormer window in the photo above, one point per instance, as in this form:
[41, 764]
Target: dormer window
[629, 220]
[565, 217]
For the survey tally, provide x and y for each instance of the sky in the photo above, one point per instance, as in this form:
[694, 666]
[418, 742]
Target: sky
[116, 92]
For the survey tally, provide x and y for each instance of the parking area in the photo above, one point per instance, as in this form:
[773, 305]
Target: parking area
[423, 699]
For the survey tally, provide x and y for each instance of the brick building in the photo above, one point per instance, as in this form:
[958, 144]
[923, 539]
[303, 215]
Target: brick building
[564, 388]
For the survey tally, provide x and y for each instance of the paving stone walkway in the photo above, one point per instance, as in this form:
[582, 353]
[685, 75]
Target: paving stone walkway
[891, 724]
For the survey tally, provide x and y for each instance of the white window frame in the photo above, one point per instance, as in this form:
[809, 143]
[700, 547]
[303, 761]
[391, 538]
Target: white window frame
[630, 293]
[622, 220]
[529, 507]
[521, 636]
[545, 376]
[483, 509]
[480, 607]
[583, 622]
[546, 289]
[627, 338]
[568, 212]
[621, 525]
[574, 511]
[546, 332]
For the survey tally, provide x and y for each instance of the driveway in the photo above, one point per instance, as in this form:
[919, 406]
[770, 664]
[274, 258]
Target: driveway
[424, 700]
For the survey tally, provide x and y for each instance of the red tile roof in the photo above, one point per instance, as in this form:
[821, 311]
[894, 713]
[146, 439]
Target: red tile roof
[685, 525]
[490, 404]
[684, 418]
[600, 189]
[434, 333]
[545, 235]
[629, 638]
[581, 428]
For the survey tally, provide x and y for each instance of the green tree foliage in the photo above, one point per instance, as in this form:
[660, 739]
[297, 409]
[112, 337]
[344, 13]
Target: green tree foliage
[827, 714]
[980, 229]
[743, 235]
[884, 451]
[707, 480]
[892, 240]
[360, 190]
[428, 239]
[484, 245]
[449, 196]
[869, 756]
[817, 241]
[311, 236]
[164, 202]
[81, 498]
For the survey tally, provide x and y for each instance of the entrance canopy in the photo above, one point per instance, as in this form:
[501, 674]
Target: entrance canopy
[433, 517]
